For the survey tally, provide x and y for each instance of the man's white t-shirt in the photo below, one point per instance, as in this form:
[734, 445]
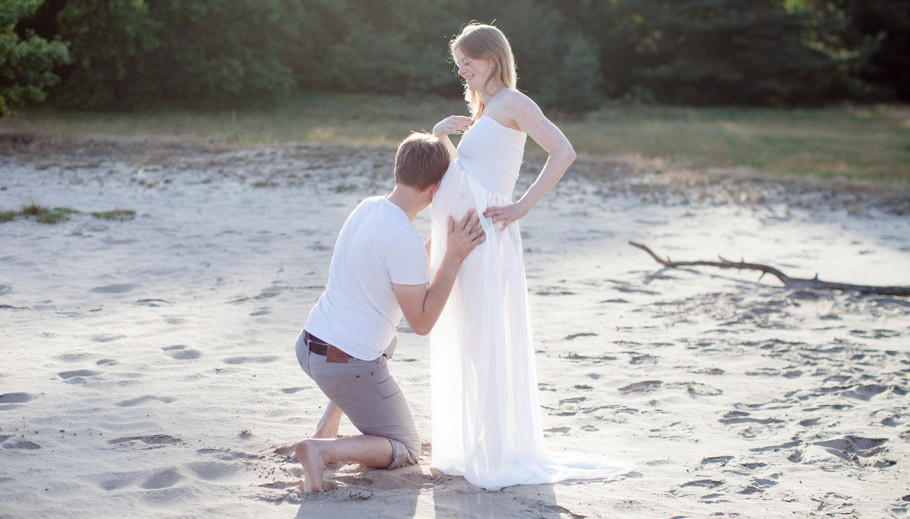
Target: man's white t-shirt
[358, 311]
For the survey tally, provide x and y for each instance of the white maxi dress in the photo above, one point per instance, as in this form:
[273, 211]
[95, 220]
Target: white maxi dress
[485, 412]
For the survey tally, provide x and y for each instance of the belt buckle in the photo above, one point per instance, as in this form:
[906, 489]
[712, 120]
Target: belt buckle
[334, 355]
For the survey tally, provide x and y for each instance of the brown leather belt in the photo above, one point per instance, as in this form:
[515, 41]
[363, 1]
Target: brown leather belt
[320, 347]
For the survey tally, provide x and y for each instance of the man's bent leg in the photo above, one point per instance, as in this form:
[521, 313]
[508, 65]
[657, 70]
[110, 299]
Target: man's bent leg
[314, 453]
[328, 425]
[371, 398]
[382, 410]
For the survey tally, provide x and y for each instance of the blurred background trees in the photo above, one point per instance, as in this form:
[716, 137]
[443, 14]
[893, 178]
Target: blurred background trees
[27, 61]
[571, 55]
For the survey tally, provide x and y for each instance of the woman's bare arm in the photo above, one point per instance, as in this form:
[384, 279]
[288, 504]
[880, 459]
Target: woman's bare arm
[527, 116]
[457, 124]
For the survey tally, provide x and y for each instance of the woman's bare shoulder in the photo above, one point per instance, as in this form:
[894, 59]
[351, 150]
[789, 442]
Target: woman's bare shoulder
[518, 103]
[516, 99]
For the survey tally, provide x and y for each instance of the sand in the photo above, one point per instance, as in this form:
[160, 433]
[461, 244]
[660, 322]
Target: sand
[147, 365]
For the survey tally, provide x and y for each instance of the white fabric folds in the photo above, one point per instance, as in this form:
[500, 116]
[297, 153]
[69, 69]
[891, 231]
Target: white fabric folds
[485, 412]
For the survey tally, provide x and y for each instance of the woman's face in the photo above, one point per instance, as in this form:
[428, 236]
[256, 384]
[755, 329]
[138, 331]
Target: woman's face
[474, 71]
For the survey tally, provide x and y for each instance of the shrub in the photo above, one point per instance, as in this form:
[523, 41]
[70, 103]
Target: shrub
[26, 66]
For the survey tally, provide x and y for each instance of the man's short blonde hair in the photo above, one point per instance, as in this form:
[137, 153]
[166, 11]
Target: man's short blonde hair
[421, 161]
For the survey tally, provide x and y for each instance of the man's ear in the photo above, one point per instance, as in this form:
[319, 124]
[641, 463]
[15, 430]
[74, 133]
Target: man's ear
[435, 188]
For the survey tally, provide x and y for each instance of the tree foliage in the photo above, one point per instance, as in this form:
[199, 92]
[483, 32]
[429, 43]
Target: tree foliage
[133, 52]
[888, 23]
[755, 52]
[570, 55]
[26, 65]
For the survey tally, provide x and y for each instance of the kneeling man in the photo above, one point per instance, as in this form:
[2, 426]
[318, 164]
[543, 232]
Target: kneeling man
[378, 272]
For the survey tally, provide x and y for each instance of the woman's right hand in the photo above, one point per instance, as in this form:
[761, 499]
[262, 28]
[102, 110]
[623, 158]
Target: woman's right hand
[456, 124]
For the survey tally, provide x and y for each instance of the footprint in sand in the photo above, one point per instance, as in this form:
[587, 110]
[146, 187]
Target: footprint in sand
[736, 417]
[155, 439]
[849, 447]
[580, 334]
[118, 482]
[71, 357]
[107, 338]
[213, 470]
[181, 352]
[250, 360]
[595, 360]
[20, 444]
[16, 398]
[702, 483]
[892, 421]
[641, 359]
[136, 401]
[164, 479]
[641, 387]
[759, 485]
[231, 455]
[865, 392]
[722, 460]
[115, 289]
[154, 303]
[77, 376]
[775, 448]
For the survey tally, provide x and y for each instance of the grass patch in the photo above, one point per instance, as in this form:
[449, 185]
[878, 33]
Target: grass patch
[120, 215]
[870, 143]
[47, 215]
[842, 142]
[42, 214]
[38, 213]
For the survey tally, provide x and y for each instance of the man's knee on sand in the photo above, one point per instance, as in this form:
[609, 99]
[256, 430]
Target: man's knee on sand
[404, 453]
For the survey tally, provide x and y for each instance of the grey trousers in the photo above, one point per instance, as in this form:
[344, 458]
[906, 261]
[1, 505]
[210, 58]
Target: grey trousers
[369, 396]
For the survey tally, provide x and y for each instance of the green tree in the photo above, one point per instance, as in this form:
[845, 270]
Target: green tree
[222, 52]
[385, 46]
[26, 66]
[576, 85]
[758, 52]
[888, 23]
[111, 39]
[727, 51]
[130, 53]
[558, 67]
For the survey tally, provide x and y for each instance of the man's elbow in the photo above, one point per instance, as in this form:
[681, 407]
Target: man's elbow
[570, 155]
[422, 330]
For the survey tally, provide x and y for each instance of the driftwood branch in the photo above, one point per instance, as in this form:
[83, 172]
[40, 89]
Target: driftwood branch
[796, 283]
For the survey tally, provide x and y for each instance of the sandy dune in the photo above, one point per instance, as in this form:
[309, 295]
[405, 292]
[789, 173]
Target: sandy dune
[147, 366]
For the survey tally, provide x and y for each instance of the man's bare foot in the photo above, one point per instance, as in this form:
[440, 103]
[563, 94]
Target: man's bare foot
[308, 456]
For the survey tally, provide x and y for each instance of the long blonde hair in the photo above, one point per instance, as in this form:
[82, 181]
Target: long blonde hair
[481, 41]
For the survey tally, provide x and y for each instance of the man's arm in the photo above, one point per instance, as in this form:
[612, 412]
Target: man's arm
[420, 305]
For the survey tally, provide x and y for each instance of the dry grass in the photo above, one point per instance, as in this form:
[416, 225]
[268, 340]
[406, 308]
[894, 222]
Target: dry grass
[868, 143]
[38, 213]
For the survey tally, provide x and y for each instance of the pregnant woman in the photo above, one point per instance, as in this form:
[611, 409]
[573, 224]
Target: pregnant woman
[486, 421]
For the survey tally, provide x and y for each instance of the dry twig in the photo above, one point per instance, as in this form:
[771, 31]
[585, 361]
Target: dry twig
[795, 283]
